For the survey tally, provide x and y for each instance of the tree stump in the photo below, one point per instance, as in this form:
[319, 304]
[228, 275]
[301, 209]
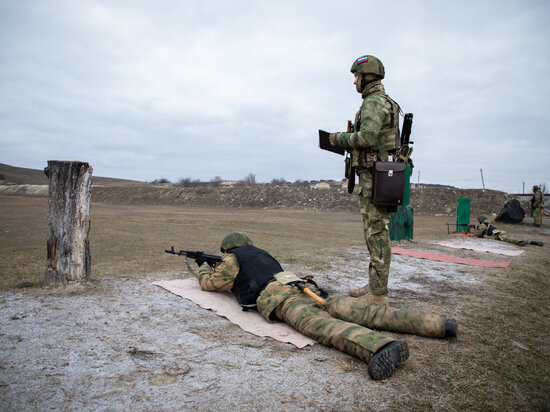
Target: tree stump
[68, 246]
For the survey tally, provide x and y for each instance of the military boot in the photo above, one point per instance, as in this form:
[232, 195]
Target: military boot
[384, 361]
[355, 293]
[451, 328]
[537, 243]
[370, 298]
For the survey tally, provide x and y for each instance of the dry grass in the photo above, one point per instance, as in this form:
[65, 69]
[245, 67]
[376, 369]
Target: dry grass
[501, 360]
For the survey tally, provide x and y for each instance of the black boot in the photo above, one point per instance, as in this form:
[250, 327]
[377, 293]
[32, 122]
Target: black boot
[451, 328]
[537, 243]
[383, 362]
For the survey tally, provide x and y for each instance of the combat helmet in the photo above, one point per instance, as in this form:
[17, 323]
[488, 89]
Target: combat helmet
[368, 65]
[233, 240]
[481, 218]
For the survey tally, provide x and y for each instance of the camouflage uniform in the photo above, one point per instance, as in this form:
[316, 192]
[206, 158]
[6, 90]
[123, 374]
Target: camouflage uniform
[375, 131]
[486, 229]
[343, 324]
[536, 205]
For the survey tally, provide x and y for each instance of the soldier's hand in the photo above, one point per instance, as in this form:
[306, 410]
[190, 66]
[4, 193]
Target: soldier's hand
[333, 139]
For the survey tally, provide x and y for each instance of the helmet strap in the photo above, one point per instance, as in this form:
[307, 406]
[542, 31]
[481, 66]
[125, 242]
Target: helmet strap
[365, 80]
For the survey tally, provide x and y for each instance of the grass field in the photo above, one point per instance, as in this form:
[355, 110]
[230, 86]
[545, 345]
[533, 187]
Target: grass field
[501, 360]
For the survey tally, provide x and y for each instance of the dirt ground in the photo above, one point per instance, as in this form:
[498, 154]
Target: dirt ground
[120, 343]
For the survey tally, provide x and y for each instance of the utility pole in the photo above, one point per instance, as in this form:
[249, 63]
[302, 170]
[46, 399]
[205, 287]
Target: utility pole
[482, 181]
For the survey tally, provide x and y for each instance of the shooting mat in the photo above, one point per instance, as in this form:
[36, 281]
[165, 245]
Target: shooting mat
[481, 248]
[224, 304]
[419, 254]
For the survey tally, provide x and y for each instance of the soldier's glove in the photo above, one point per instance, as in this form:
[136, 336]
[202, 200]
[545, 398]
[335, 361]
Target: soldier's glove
[333, 139]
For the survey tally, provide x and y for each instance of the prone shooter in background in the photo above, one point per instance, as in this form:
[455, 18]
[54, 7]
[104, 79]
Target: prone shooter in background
[486, 229]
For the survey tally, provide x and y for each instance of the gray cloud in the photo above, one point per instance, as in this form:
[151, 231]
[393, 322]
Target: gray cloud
[144, 90]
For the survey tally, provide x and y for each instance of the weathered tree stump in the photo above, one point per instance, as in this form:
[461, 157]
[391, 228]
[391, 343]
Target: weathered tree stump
[68, 244]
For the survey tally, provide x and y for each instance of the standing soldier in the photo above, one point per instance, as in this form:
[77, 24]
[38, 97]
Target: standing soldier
[536, 205]
[374, 136]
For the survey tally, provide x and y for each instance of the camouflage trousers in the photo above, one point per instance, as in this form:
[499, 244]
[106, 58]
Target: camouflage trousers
[537, 215]
[344, 323]
[376, 221]
[312, 320]
[414, 321]
[505, 237]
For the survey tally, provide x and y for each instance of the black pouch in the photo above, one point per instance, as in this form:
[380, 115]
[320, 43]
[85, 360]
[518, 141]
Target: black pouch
[388, 186]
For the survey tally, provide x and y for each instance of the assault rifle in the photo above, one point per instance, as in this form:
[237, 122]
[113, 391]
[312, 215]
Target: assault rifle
[407, 128]
[199, 257]
[469, 225]
[404, 152]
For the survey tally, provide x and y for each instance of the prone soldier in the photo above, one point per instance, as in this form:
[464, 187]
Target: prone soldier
[486, 229]
[257, 280]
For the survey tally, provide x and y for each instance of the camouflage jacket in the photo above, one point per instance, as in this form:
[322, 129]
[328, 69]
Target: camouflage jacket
[376, 127]
[222, 277]
[536, 200]
[485, 227]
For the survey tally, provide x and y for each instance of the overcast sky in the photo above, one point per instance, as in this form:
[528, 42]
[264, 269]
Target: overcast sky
[199, 89]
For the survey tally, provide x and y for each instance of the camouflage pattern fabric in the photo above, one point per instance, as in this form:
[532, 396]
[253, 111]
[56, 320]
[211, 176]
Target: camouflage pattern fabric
[377, 127]
[537, 204]
[417, 322]
[289, 304]
[311, 319]
[497, 234]
[376, 221]
[344, 324]
[376, 131]
[222, 277]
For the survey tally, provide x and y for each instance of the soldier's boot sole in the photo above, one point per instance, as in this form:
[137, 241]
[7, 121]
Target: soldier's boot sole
[451, 328]
[383, 363]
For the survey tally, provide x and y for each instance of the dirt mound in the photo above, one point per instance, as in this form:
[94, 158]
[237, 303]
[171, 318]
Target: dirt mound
[427, 201]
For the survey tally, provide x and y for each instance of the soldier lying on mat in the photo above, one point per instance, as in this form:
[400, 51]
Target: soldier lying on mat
[258, 280]
[486, 229]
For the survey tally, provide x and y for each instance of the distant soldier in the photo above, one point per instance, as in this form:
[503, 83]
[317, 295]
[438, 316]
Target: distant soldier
[486, 229]
[253, 276]
[536, 205]
[375, 135]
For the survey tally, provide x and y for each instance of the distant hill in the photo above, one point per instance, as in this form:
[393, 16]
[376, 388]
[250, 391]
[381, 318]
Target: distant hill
[426, 199]
[23, 176]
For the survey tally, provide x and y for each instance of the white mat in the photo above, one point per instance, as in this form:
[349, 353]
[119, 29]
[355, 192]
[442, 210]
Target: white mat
[225, 304]
[480, 248]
